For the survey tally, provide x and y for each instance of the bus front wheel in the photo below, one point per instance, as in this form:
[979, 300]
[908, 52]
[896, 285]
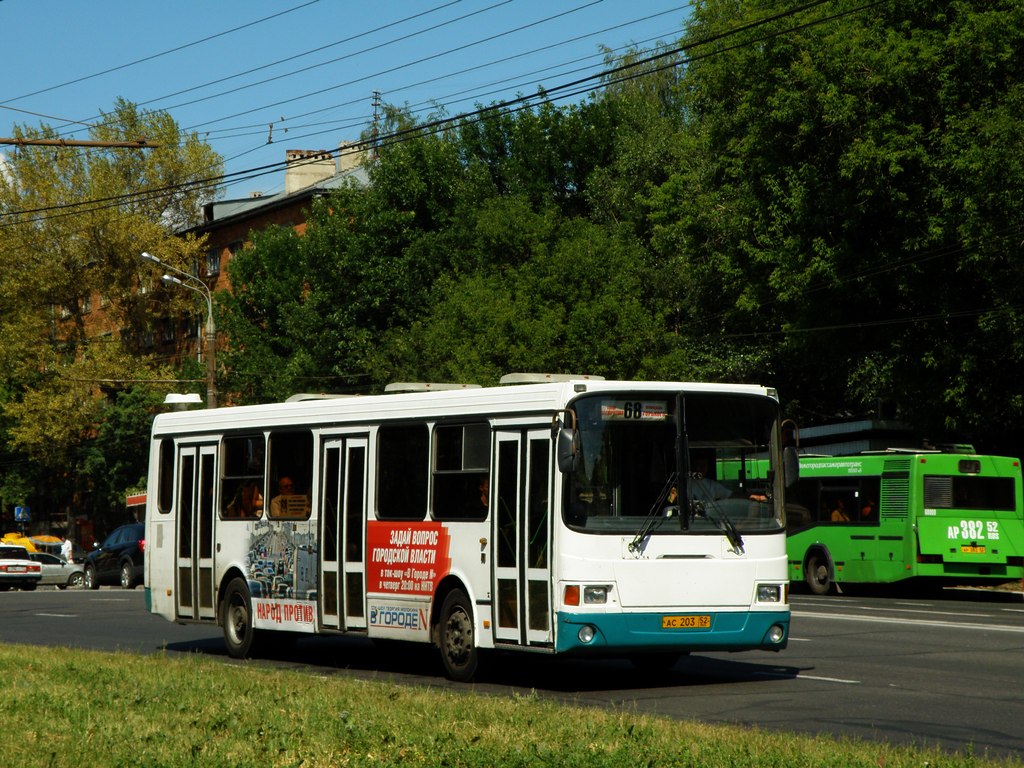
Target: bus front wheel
[458, 647]
[239, 635]
[817, 575]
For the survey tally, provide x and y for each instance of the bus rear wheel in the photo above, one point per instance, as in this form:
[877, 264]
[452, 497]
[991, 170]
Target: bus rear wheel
[239, 634]
[816, 574]
[458, 647]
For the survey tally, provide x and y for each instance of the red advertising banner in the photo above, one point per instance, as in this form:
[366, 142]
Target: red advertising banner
[406, 558]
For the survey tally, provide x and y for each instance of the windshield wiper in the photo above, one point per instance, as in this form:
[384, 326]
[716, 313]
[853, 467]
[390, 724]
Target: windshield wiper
[720, 520]
[655, 512]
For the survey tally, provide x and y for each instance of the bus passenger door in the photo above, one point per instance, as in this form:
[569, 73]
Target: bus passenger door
[194, 575]
[521, 531]
[342, 594]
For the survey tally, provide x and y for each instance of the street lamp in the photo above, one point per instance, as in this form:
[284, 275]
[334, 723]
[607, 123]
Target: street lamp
[193, 283]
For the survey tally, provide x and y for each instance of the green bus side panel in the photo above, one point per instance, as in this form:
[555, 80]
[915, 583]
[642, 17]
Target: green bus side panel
[867, 557]
[918, 531]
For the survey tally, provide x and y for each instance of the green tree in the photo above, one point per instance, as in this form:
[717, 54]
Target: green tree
[573, 306]
[491, 204]
[76, 299]
[846, 204]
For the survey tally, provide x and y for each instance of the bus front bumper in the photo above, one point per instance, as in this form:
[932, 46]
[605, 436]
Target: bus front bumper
[615, 633]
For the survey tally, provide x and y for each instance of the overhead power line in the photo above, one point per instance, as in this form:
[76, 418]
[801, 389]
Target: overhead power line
[621, 73]
[140, 144]
[206, 39]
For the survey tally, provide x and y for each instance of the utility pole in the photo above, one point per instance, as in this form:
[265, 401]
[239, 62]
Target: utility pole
[375, 130]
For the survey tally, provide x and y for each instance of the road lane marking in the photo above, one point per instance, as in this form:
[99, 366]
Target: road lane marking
[802, 676]
[940, 613]
[828, 679]
[59, 615]
[919, 622]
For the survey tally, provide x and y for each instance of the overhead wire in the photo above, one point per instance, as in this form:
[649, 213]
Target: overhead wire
[416, 62]
[318, 49]
[505, 82]
[611, 76]
[617, 74]
[363, 34]
[153, 56]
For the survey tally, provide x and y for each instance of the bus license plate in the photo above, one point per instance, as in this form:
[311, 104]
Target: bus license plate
[685, 622]
[973, 550]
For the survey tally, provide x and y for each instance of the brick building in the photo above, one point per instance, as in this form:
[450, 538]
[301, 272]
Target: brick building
[227, 225]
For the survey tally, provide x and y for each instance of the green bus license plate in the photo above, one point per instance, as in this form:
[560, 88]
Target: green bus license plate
[973, 550]
[685, 622]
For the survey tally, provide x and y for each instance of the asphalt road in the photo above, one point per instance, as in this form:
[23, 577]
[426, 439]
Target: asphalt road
[941, 671]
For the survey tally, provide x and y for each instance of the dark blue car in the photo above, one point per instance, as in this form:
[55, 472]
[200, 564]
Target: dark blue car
[119, 559]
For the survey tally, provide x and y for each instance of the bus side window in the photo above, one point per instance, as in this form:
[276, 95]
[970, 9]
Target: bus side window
[241, 484]
[867, 500]
[839, 502]
[403, 466]
[291, 473]
[461, 483]
[165, 483]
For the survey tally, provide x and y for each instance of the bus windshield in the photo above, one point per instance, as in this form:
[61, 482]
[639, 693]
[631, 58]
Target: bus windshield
[626, 474]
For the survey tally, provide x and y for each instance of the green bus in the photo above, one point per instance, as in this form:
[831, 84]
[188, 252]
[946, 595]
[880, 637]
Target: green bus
[894, 515]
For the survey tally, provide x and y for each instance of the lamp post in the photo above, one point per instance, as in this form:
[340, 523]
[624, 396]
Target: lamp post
[193, 283]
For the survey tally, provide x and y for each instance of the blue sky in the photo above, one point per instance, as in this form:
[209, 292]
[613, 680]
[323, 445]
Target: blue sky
[227, 69]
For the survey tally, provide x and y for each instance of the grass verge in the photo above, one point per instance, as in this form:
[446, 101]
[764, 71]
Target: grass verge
[64, 707]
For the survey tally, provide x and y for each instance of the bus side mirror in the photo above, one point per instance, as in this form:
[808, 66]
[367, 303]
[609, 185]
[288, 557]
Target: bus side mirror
[565, 450]
[790, 466]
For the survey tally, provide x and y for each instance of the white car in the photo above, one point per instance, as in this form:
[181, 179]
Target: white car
[17, 570]
[58, 571]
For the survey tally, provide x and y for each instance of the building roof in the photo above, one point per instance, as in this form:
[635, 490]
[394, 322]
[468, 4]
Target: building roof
[222, 212]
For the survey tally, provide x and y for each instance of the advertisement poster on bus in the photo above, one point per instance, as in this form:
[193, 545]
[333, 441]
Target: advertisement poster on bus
[406, 558]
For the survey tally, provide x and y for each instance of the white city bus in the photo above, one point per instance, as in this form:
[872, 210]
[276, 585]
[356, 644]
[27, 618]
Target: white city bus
[566, 517]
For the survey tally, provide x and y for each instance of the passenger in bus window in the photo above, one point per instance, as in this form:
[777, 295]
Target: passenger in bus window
[867, 511]
[473, 495]
[839, 513]
[247, 502]
[288, 503]
[485, 490]
[252, 499]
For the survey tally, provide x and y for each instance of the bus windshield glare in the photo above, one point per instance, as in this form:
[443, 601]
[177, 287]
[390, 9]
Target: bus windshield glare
[626, 472]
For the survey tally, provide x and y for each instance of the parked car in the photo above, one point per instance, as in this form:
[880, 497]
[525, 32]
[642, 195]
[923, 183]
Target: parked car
[17, 571]
[119, 559]
[54, 546]
[58, 571]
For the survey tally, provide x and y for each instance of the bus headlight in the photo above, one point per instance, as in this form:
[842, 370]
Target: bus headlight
[586, 633]
[595, 595]
[769, 593]
[776, 633]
